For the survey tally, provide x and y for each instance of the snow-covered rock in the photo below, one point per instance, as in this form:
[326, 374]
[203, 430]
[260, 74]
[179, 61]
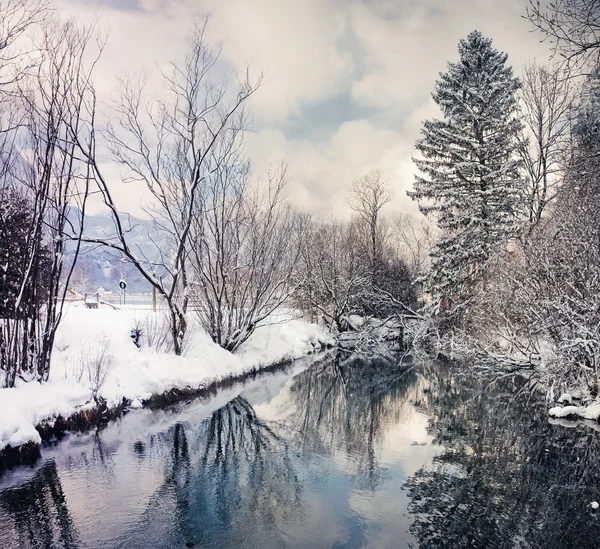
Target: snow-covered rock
[591, 411]
[565, 398]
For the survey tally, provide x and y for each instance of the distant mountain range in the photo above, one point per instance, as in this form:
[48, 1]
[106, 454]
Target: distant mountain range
[101, 267]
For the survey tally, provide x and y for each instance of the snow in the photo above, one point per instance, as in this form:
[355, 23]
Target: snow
[355, 322]
[137, 374]
[591, 411]
[565, 398]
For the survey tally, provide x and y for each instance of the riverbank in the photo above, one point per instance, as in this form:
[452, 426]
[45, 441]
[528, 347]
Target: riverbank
[589, 410]
[96, 357]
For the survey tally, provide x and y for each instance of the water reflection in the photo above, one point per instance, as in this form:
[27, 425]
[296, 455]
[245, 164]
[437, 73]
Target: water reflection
[507, 477]
[228, 480]
[339, 455]
[237, 480]
[35, 514]
[344, 405]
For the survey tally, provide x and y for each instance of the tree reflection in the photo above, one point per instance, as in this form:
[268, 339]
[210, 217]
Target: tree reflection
[237, 480]
[506, 477]
[345, 404]
[36, 513]
[229, 472]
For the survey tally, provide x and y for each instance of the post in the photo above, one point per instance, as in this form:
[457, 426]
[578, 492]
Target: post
[123, 285]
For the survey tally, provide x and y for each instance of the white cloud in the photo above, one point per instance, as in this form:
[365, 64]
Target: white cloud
[295, 43]
[383, 54]
[322, 174]
[405, 51]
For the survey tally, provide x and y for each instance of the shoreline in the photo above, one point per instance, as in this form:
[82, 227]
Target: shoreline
[101, 414]
[98, 373]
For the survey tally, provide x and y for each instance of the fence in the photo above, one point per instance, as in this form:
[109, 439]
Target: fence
[132, 301]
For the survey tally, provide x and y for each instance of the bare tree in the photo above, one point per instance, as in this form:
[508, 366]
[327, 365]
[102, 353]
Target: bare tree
[573, 29]
[369, 194]
[557, 290]
[18, 56]
[82, 278]
[414, 239]
[173, 146]
[55, 99]
[244, 251]
[332, 274]
[546, 105]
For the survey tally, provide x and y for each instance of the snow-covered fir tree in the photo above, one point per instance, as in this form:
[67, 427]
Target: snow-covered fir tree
[470, 181]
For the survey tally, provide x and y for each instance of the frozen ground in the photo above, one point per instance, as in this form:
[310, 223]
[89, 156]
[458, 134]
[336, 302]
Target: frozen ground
[132, 373]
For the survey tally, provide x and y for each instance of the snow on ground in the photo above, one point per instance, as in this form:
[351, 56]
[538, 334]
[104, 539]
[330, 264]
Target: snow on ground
[137, 374]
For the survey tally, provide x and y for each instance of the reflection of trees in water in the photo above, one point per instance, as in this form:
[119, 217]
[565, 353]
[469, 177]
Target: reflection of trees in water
[239, 443]
[347, 404]
[233, 479]
[507, 477]
[236, 480]
[36, 513]
[230, 472]
[97, 459]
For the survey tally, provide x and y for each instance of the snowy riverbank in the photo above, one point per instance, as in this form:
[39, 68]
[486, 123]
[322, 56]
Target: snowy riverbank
[589, 410]
[136, 374]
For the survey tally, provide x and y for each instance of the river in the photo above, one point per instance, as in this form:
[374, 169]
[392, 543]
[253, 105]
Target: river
[332, 451]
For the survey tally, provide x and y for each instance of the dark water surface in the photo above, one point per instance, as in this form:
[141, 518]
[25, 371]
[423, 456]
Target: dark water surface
[336, 453]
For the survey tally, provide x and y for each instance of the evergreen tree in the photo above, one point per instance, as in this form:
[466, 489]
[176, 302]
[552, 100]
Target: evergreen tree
[17, 270]
[470, 178]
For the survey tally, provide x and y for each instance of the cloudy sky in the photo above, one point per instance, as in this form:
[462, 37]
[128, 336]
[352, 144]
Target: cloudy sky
[347, 85]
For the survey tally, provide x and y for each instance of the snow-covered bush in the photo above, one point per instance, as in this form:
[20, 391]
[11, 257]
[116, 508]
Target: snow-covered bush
[95, 362]
[497, 317]
[154, 330]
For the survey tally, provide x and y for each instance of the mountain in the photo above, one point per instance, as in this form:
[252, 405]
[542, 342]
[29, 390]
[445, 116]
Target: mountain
[100, 267]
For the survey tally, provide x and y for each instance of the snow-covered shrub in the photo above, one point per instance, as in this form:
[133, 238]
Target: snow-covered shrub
[94, 364]
[153, 329]
[420, 334]
[560, 293]
[497, 316]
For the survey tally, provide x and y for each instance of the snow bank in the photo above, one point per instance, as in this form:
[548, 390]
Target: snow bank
[136, 374]
[591, 411]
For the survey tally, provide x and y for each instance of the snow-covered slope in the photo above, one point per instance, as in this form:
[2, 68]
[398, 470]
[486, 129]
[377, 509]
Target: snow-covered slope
[136, 374]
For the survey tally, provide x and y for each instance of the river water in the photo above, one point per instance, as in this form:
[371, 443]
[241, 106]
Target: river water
[333, 451]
